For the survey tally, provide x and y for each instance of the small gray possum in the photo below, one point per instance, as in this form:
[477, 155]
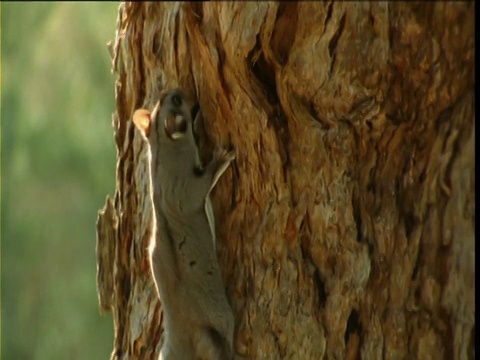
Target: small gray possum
[199, 321]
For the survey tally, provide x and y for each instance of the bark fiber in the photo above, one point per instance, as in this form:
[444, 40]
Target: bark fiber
[346, 224]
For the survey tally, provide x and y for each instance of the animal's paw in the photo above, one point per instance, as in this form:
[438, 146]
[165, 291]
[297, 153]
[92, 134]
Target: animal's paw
[222, 155]
[221, 160]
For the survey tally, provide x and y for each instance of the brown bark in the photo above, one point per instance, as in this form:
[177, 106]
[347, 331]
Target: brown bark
[346, 225]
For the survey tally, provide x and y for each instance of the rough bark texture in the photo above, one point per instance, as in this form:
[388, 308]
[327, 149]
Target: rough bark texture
[346, 225]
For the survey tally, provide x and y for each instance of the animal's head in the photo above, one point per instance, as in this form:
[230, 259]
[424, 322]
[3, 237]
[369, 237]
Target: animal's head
[169, 121]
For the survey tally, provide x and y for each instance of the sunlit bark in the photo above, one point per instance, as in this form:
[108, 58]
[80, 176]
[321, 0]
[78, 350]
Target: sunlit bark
[346, 225]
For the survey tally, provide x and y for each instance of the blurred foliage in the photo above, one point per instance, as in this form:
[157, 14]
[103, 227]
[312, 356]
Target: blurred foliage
[58, 165]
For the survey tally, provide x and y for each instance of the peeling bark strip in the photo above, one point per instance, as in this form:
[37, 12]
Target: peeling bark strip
[352, 230]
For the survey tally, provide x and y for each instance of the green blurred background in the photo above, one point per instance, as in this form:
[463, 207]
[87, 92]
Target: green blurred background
[58, 165]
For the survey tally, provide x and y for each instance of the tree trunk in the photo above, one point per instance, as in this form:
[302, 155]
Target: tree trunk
[345, 227]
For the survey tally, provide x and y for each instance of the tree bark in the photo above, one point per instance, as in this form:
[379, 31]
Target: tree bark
[346, 224]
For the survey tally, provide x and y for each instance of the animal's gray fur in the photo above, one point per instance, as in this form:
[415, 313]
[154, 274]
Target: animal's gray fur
[199, 321]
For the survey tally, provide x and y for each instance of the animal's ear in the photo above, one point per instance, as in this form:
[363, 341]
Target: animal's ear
[142, 120]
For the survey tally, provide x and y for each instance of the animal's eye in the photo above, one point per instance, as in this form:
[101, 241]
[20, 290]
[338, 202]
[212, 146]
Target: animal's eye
[176, 100]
